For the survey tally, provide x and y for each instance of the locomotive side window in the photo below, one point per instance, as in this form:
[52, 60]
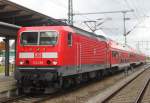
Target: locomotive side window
[48, 38]
[29, 38]
[69, 39]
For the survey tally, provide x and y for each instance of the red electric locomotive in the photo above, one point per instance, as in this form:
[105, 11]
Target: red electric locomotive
[57, 56]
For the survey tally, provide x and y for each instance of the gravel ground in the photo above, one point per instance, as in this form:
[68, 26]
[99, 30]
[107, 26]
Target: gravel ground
[146, 98]
[130, 92]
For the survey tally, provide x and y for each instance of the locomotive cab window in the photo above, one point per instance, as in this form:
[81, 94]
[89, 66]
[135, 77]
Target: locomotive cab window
[69, 39]
[48, 38]
[29, 38]
[39, 38]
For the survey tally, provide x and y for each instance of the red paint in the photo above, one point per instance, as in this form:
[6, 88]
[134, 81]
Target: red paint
[84, 50]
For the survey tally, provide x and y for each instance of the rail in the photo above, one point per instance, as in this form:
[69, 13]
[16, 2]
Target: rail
[141, 94]
[106, 95]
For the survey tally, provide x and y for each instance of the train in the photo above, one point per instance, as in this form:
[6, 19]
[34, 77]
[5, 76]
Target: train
[60, 56]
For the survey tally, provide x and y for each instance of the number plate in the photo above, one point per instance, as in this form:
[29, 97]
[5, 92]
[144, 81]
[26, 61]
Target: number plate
[37, 62]
[38, 55]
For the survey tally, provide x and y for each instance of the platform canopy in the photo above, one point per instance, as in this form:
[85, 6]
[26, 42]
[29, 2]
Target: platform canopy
[15, 15]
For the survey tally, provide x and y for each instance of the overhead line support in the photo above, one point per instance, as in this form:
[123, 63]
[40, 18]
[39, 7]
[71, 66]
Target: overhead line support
[70, 12]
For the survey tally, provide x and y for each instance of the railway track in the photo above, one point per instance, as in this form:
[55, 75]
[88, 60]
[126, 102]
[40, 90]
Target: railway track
[146, 97]
[10, 99]
[39, 98]
[25, 99]
[78, 94]
[134, 91]
[143, 91]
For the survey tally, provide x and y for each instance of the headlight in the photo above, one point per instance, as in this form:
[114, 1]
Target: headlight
[55, 62]
[21, 62]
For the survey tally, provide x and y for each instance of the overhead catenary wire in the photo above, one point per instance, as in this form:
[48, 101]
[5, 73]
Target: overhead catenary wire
[64, 6]
[130, 5]
[140, 19]
[105, 12]
[137, 13]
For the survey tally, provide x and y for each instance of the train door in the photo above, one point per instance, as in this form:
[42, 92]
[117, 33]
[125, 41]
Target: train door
[115, 57]
[108, 56]
[104, 57]
[78, 56]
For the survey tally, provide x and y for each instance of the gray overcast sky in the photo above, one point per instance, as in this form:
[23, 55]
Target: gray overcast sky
[112, 28]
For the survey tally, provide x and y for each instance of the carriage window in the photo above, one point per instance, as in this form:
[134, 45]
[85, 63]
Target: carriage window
[70, 39]
[29, 38]
[115, 53]
[48, 38]
[131, 55]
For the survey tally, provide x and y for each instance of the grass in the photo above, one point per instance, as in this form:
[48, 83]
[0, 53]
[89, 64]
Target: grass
[2, 68]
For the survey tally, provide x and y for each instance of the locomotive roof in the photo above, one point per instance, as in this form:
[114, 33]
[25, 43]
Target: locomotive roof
[115, 45]
[69, 29]
[87, 33]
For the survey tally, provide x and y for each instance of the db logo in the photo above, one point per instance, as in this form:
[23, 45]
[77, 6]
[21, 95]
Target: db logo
[38, 55]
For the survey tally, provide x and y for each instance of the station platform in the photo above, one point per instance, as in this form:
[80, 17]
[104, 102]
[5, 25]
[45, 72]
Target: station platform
[7, 83]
